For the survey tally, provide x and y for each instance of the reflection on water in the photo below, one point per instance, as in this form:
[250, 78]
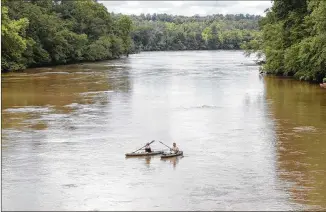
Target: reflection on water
[174, 160]
[146, 159]
[149, 159]
[251, 142]
[299, 110]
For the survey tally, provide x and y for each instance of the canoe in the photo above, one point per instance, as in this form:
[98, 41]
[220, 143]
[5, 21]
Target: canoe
[168, 155]
[144, 153]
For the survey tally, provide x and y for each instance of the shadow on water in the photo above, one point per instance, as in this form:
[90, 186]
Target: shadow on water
[299, 112]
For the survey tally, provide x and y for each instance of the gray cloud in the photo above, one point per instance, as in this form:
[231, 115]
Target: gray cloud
[187, 8]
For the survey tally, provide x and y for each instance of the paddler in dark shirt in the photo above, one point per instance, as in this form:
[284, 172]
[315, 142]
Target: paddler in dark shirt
[148, 148]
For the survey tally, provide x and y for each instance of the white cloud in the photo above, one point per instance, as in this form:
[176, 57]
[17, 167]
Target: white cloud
[187, 8]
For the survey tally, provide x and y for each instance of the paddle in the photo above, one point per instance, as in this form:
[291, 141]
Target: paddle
[165, 145]
[143, 146]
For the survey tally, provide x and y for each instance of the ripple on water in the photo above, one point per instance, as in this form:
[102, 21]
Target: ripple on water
[304, 129]
[87, 72]
[73, 105]
[69, 185]
[29, 109]
[199, 107]
[54, 117]
[95, 92]
[48, 73]
[54, 72]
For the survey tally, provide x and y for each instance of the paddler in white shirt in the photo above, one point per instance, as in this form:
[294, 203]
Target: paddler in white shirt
[174, 149]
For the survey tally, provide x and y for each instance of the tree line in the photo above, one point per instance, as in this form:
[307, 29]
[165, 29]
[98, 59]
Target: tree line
[50, 32]
[196, 18]
[292, 40]
[158, 32]
[47, 32]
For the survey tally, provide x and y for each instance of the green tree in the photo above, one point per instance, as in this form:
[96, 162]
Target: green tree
[51, 32]
[12, 41]
[166, 32]
[125, 26]
[293, 39]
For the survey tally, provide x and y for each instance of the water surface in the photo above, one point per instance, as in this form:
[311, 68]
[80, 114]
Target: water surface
[250, 143]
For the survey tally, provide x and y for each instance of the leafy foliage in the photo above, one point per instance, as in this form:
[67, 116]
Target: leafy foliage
[48, 32]
[293, 39]
[166, 32]
[12, 41]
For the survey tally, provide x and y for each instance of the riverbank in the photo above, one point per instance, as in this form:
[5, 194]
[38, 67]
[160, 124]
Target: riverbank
[323, 85]
[257, 62]
[64, 64]
[108, 59]
[261, 63]
[202, 49]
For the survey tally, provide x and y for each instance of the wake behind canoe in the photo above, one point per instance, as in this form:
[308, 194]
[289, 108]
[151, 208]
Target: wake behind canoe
[144, 153]
[169, 155]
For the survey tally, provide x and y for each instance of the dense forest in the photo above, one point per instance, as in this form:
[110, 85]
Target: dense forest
[48, 32]
[167, 32]
[292, 40]
[51, 32]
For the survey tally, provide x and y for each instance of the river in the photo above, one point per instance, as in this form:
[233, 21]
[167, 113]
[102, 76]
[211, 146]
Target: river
[249, 142]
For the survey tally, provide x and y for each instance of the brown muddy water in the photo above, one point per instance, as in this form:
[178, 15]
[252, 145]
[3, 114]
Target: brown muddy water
[249, 142]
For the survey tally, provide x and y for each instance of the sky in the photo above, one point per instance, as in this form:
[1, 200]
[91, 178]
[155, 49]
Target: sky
[188, 8]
